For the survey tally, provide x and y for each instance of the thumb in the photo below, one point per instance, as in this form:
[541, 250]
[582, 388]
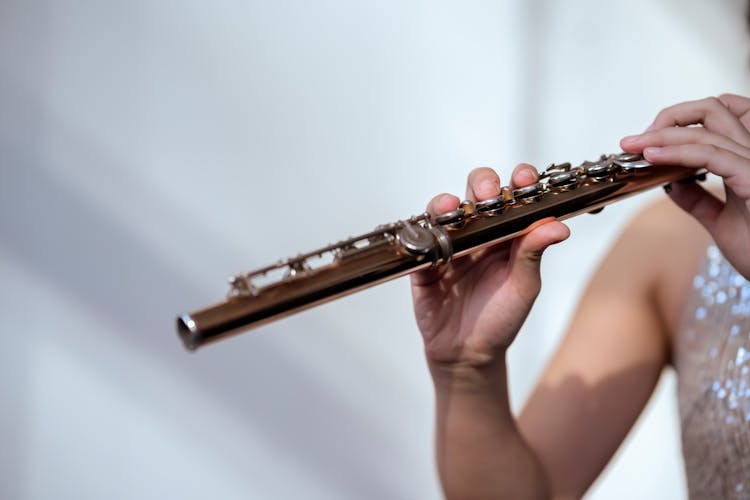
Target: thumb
[526, 254]
[696, 201]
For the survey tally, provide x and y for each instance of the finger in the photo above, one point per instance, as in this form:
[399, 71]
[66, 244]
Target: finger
[735, 169]
[674, 136]
[523, 175]
[739, 106]
[709, 112]
[526, 254]
[442, 203]
[483, 183]
[698, 202]
[428, 276]
[438, 205]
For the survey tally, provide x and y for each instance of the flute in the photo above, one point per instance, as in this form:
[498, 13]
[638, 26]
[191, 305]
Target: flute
[399, 248]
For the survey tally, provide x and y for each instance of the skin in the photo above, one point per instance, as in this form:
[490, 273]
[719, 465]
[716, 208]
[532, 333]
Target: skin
[622, 333]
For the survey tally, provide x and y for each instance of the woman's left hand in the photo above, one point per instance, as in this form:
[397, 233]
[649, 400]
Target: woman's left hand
[721, 145]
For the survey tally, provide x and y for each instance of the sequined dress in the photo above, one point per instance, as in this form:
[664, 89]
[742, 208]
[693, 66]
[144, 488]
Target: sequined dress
[712, 358]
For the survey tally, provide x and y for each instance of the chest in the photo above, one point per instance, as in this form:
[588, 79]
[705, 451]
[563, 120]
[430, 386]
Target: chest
[712, 357]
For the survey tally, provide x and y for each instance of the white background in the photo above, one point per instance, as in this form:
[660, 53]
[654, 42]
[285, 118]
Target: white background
[150, 149]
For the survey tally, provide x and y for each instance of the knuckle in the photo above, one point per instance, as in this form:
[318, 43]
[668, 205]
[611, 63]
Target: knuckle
[658, 136]
[687, 135]
[725, 98]
[713, 149]
[535, 256]
[714, 104]
[663, 115]
[712, 100]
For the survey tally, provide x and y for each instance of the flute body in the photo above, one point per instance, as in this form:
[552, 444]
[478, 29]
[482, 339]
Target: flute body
[392, 250]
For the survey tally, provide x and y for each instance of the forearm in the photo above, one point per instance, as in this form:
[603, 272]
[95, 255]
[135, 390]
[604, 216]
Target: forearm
[480, 453]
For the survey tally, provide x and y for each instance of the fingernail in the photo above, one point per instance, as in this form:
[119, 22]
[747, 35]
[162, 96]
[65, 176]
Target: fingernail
[652, 152]
[667, 188]
[524, 175]
[488, 187]
[529, 173]
[630, 138]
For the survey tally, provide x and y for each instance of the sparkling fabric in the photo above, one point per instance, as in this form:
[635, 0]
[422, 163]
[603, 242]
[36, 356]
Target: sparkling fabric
[712, 358]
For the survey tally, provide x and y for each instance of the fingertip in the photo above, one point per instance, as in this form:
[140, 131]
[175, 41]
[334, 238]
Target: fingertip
[554, 232]
[629, 144]
[562, 231]
[523, 175]
[546, 232]
[442, 203]
[483, 183]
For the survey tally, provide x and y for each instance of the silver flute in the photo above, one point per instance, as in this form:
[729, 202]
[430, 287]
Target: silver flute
[392, 250]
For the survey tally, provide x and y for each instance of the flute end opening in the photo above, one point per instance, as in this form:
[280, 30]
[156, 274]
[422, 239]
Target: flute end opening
[188, 331]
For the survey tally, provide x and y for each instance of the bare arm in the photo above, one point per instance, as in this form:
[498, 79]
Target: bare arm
[480, 452]
[613, 353]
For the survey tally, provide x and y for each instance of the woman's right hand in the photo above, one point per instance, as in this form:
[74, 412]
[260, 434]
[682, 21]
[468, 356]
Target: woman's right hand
[470, 310]
[711, 133]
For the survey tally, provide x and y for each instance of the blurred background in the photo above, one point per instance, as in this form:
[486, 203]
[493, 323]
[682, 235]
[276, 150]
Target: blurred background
[150, 149]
